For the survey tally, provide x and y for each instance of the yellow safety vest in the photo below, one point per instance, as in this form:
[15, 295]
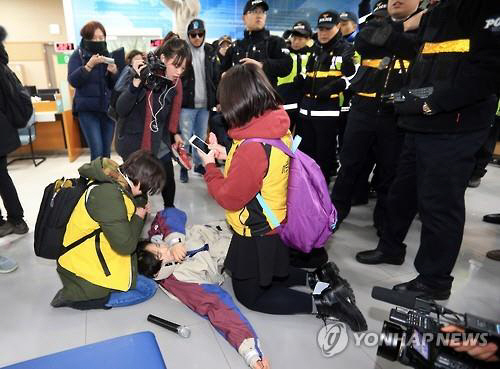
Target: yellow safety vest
[94, 260]
[251, 220]
[293, 73]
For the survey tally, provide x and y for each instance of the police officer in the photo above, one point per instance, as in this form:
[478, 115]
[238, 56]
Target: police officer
[372, 124]
[258, 46]
[300, 35]
[445, 110]
[349, 26]
[327, 72]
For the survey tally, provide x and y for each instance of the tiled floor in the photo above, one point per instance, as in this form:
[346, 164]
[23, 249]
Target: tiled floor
[30, 327]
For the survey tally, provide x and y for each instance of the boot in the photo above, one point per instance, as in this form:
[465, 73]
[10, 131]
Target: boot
[335, 303]
[329, 273]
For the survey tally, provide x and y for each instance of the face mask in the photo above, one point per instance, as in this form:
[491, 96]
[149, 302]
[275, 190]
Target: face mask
[96, 47]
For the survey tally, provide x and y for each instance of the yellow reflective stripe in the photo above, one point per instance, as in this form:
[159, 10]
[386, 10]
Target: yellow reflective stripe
[330, 73]
[334, 96]
[374, 63]
[456, 46]
[367, 94]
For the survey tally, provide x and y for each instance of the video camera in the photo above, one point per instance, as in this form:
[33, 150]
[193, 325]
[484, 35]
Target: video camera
[413, 335]
[153, 74]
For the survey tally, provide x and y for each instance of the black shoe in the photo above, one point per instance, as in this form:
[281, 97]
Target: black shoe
[493, 255]
[427, 293]
[376, 256]
[21, 227]
[200, 169]
[474, 182]
[329, 273]
[492, 218]
[184, 175]
[336, 304]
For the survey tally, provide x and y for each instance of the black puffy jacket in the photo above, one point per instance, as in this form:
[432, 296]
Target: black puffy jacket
[9, 139]
[212, 75]
[267, 49]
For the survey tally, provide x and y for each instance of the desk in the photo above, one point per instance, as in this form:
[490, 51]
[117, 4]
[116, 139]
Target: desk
[51, 136]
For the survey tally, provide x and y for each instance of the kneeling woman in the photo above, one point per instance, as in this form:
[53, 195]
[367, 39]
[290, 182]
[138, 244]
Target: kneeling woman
[101, 272]
[257, 258]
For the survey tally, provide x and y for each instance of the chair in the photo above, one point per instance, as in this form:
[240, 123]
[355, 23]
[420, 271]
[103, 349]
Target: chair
[27, 135]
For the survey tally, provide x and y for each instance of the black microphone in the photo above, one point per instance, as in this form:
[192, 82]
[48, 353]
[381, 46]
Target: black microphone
[181, 330]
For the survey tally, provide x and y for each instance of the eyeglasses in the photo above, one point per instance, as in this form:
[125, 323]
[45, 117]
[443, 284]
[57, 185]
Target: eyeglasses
[257, 11]
[197, 34]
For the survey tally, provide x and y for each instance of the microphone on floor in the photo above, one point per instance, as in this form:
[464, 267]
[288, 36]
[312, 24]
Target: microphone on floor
[181, 330]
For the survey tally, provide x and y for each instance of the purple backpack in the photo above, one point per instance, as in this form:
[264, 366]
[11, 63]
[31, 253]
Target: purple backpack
[311, 216]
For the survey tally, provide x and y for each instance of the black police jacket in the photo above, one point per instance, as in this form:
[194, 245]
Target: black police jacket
[326, 77]
[380, 73]
[457, 54]
[212, 76]
[267, 49]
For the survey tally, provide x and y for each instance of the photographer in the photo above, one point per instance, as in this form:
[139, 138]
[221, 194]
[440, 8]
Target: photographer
[145, 106]
[93, 78]
[446, 110]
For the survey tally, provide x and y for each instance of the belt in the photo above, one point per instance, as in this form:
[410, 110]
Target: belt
[375, 63]
[367, 94]
[330, 73]
[334, 96]
[456, 46]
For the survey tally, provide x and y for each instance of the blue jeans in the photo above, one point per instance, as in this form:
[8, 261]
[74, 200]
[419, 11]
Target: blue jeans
[145, 289]
[194, 121]
[98, 130]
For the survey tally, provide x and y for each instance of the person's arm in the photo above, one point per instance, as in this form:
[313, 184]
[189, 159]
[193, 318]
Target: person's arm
[279, 63]
[106, 206]
[244, 179]
[128, 98]
[78, 74]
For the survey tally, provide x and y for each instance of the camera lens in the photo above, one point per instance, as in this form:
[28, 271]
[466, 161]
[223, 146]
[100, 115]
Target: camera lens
[391, 340]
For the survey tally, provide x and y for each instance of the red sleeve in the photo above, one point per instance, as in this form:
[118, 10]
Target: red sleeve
[244, 180]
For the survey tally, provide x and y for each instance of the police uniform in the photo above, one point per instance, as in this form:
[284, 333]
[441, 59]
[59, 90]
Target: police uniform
[326, 78]
[457, 62]
[287, 88]
[271, 51]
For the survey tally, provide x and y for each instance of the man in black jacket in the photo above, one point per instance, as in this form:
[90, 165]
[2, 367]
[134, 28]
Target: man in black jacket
[199, 84]
[372, 123]
[9, 141]
[258, 46]
[446, 110]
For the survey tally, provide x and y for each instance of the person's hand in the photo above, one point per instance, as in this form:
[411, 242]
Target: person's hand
[262, 364]
[413, 23]
[178, 252]
[93, 61]
[207, 158]
[218, 108]
[488, 352]
[178, 141]
[219, 150]
[251, 61]
[141, 212]
[112, 68]
[147, 207]
[138, 65]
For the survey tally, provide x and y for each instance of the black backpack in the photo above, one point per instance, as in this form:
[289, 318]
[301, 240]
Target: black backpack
[19, 106]
[58, 202]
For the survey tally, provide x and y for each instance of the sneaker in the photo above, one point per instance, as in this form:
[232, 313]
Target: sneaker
[6, 228]
[7, 265]
[182, 157]
[184, 175]
[21, 227]
[335, 303]
[329, 273]
[200, 169]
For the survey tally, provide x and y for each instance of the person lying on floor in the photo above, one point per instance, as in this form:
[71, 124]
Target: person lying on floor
[101, 272]
[187, 266]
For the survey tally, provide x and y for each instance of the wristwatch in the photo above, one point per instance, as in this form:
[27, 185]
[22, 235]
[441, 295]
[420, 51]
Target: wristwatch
[427, 109]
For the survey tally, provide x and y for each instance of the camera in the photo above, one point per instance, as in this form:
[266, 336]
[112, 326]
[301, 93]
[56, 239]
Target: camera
[153, 74]
[413, 336]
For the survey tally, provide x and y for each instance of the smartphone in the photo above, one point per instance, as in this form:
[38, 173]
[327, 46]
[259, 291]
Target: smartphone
[107, 60]
[199, 143]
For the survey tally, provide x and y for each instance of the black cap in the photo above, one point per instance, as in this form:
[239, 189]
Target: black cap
[380, 8]
[348, 16]
[196, 25]
[223, 39]
[302, 28]
[252, 4]
[328, 19]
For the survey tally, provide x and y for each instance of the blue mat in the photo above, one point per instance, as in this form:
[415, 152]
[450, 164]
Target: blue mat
[138, 350]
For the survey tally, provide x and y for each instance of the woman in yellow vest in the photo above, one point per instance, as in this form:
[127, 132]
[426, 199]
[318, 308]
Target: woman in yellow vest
[101, 272]
[257, 258]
